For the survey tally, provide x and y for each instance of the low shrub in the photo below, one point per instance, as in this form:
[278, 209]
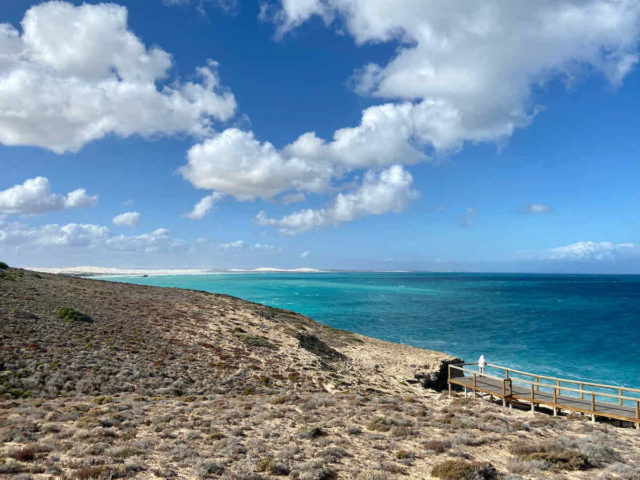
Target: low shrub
[554, 454]
[314, 470]
[463, 470]
[437, 446]
[311, 432]
[380, 424]
[209, 468]
[402, 432]
[99, 471]
[3, 266]
[270, 466]
[71, 315]
[26, 454]
[404, 454]
[255, 340]
[564, 460]
[10, 465]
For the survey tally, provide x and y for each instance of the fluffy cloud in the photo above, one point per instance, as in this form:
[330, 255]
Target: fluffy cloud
[535, 208]
[73, 234]
[599, 251]
[127, 219]
[34, 197]
[203, 206]
[90, 239]
[389, 191]
[387, 134]
[77, 73]
[462, 73]
[476, 65]
[235, 163]
[87, 236]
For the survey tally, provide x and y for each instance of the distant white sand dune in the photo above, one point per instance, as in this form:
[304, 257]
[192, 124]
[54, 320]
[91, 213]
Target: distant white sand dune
[91, 270]
[87, 270]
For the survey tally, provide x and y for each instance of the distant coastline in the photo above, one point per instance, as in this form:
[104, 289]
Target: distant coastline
[92, 271]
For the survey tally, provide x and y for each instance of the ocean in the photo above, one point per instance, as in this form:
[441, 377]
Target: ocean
[583, 327]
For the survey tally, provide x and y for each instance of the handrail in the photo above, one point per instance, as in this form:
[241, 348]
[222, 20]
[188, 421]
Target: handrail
[592, 384]
[476, 373]
[552, 387]
[557, 403]
[569, 389]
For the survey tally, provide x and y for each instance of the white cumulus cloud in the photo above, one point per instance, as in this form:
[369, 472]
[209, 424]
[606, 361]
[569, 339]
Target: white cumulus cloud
[204, 206]
[75, 244]
[388, 191]
[77, 73]
[85, 238]
[34, 197]
[53, 235]
[472, 67]
[235, 163]
[127, 219]
[599, 251]
[462, 72]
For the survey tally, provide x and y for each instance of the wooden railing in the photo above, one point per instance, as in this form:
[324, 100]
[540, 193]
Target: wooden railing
[556, 388]
[581, 384]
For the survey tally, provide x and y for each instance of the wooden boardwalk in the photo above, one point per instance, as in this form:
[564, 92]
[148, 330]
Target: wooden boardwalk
[593, 399]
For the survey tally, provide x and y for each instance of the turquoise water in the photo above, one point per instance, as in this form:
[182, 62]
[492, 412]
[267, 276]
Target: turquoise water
[573, 326]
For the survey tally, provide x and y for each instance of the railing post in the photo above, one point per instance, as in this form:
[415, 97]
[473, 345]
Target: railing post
[581, 391]
[559, 391]
[593, 407]
[620, 393]
[475, 384]
[504, 393]
[506, 373]
[533, 405]
[538, 383]
[555, 399]
[449, 379]
[638, 414]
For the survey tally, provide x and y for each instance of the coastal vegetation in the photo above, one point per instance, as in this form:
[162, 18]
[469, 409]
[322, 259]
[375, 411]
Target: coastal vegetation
[69, 314]
[171, 383]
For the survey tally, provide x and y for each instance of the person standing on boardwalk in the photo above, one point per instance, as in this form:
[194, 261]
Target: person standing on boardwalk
[481, 364]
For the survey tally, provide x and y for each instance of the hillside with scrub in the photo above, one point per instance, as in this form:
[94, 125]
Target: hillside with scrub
[101, 380]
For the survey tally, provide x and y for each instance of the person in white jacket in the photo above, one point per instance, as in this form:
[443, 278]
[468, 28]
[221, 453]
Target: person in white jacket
[481, 364]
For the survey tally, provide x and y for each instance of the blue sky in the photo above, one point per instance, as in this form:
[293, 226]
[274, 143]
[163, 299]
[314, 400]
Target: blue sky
[446, 138]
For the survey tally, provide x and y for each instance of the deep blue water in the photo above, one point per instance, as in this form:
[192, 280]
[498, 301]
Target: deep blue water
[574, 326]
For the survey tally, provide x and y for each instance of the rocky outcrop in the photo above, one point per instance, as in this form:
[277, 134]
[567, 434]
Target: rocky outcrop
[437, 379]
[313, 344]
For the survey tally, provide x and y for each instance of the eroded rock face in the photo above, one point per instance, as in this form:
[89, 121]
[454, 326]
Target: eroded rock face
[437, 379]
